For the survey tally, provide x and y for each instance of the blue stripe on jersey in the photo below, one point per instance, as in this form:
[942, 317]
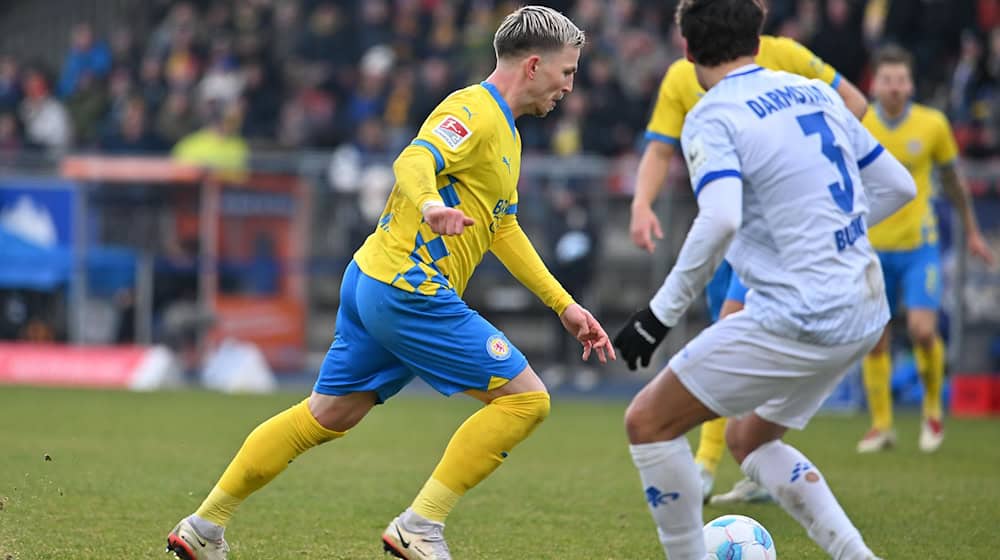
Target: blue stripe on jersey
[449, 195]
[503, 105]
[836, 80]
[650, 135]
[512, 209]
[438, 158]
[714, 175]
[868, 159]
[745, 72]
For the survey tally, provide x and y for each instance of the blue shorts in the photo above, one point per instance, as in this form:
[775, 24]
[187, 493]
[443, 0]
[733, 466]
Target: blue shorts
[916, 273]
[724, 285]
[737, 291]
[385, 336]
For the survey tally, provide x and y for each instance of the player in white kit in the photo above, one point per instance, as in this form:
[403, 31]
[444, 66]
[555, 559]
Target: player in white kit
[788, 181]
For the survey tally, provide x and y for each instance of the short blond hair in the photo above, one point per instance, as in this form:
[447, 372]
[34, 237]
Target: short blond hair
[535, 28]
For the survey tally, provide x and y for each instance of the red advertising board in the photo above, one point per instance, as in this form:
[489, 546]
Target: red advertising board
[132, 367]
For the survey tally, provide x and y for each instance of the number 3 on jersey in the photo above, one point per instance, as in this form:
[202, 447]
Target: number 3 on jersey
[815, 123]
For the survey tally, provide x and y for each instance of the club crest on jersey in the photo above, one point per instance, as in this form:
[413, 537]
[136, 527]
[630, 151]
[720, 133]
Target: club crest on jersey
[914, 146]
[452, 131]
[498, 347]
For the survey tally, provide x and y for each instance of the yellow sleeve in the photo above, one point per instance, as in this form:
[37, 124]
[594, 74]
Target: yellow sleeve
[415, 177]
[945, 148]
[512, 246]
[790, 56]
[668, 112]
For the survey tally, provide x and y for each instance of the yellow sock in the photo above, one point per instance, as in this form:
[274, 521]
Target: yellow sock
[876, 369]
[930, 366]
[266, 452]
[712, 444]
[478, 447]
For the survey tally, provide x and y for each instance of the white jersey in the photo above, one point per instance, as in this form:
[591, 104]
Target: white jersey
[802, 248]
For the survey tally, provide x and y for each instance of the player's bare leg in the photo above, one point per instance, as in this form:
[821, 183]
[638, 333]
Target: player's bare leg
[513, 410]
[876, 370]
[928, 352]
[266, 452]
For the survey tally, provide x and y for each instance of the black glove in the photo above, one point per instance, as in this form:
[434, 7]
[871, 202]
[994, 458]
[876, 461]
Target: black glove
[640, 336]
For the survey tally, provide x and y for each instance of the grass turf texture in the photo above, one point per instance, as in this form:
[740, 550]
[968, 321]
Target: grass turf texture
[124, 467]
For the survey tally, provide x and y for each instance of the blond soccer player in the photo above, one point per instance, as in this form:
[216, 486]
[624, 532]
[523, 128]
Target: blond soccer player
[401, 314]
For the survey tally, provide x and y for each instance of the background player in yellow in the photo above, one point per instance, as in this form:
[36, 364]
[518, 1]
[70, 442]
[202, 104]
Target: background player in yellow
[401, 314]
[678, 94]
[921, 138]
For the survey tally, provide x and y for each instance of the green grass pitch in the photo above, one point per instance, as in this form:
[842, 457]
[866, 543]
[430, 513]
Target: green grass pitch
[124, 467]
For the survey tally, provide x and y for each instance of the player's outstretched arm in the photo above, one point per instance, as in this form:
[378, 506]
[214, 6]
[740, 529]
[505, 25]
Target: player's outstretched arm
[512, 246]
[516, 252]
[856, 101]
[954, 188]
[644, 226]
[581, 324]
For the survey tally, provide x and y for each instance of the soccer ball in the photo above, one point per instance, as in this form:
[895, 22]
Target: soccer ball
[738, 537]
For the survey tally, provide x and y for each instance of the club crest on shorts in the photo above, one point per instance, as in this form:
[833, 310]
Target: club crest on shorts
[452, 131]
[498, 347]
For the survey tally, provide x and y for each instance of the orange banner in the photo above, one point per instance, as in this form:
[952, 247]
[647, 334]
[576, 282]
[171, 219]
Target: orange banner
[275, 325]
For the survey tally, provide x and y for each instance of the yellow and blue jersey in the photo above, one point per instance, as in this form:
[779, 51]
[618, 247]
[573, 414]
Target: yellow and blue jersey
[680, 91]
[477, 155]
[920, 139]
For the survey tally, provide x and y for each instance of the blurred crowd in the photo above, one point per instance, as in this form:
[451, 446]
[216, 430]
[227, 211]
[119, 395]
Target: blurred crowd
[213, 80]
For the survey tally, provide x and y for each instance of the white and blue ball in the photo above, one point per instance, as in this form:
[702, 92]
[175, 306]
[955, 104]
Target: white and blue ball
[738, 537]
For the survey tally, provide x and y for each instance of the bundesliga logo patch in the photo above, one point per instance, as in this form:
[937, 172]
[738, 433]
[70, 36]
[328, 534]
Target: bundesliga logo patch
[452, 131]
[498, 347]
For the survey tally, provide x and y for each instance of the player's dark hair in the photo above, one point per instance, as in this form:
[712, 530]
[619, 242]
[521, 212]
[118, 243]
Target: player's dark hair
[892, 54]
[718, 31]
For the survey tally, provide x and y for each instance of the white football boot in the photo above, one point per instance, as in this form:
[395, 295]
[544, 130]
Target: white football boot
[186, 544]
[707, 482]
[745, 491]
[413, 537]
[931, 435]
[877, 440]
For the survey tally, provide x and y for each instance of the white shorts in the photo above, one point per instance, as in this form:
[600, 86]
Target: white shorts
[735, 366]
